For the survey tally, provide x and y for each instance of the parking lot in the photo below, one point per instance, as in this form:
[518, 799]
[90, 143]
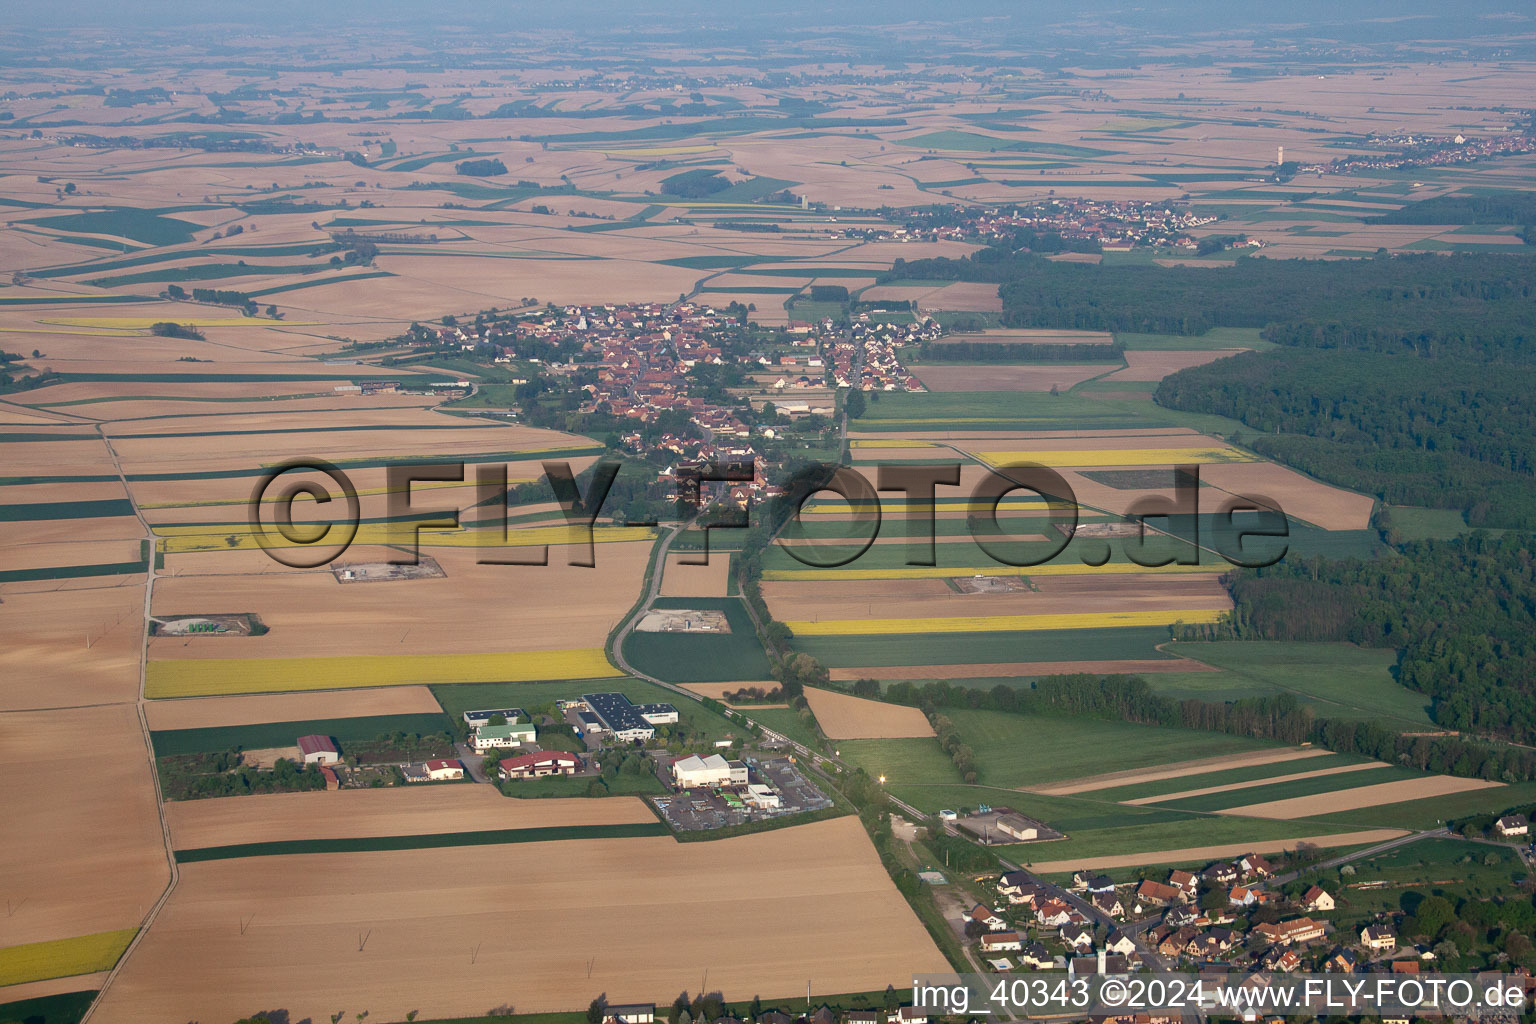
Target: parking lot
[719, 807]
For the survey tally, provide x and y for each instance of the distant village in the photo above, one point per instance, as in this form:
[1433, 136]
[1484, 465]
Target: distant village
[1103, 224]
[1426, 151]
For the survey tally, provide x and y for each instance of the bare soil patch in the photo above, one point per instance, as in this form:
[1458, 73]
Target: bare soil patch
[1250, 784]
[1013, 377]
[1179, 769]
[845, 717]
[1206, 854]
[1362, 796]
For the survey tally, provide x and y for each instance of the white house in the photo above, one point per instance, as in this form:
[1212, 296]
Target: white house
[318, 750]
[513, 734]
[1513, 825]
[1378, 937]
[1001, 942]
[1317, 899]
[438, 771]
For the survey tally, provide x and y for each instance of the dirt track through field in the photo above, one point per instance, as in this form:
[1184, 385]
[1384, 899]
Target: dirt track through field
[1344, 769]
[1363, 796]
[429, 930]
[1206, 854]
[1177, 770]
[845, 717]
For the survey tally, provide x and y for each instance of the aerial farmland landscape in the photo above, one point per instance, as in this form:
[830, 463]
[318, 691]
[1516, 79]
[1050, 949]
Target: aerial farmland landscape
[615, 512]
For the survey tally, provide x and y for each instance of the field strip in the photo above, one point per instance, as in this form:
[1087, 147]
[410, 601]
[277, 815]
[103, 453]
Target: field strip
[62, 958]
[1342, 769]
[1121, 457]
[930, 572]
[428, 841]
[194, 320]
[1364, 796]
[363, 813]
[1001, 623]
[53, 986]
[1176, 770]
[1205, 854]
[207, 677]
[180, 540]
[213, 712]
[843, 716]
[1002, 670]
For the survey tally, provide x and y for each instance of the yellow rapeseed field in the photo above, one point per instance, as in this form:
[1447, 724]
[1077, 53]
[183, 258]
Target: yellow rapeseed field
[929, 573]
[218, 676]
[1001, 623]
[1120, 457]
[63, 958]
[179, 540]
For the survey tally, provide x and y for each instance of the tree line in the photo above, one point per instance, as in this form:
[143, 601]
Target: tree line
[1441, 433]
[1281, 717]
[1461, 613]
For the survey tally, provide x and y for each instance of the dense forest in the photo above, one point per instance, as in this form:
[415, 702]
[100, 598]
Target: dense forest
[1442, 433]
[1281, 717]
[1470, 305]
[1506, 207]
[1462, 614]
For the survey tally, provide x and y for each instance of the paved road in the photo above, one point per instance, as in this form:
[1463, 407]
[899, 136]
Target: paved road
[1369, 851]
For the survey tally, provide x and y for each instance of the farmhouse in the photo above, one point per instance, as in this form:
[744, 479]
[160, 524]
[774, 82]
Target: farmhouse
[491, 737]
[539, 764]
[1512, 825]
[983, 915]
[318, 750]
[449, 768]
[1153, 894]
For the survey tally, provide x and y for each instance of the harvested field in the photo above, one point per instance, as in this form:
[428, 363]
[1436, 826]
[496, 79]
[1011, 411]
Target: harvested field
[1182, 768]
[794, 898]
[1156, 365]
[1005, 377]
[1363, 796]
[1324, 505]
[473, 609]
[1205, 854]
[1011, 669]
[843, 716]
[1030, 336]
[1250, 784]
[69, 647]
[682, 580]
[206, 712]
[409, 811]
[933, 598]
[971, 296]
[1000, 623]
[90, 857]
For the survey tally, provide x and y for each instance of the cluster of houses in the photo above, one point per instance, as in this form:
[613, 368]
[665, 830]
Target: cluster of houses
[322, 753]
[645, 1013]
[1111, 224]
[1426, 151]
[866, 356]
[1175, 925]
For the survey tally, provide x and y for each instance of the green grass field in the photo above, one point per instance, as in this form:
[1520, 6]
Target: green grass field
[1225, 777]
[699, 657]
[1337, 680]
[786, 721]
[283, 734]
[1299, 787]
[1445, 866]
[1031, 750]
[125, 222]
[1430, 813]
[1132, 642]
